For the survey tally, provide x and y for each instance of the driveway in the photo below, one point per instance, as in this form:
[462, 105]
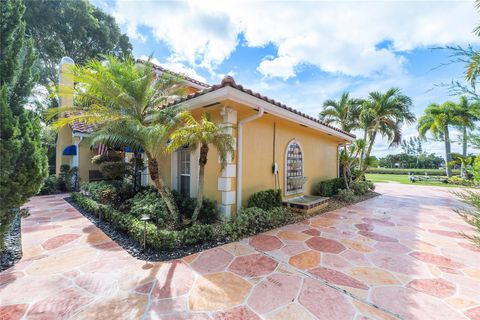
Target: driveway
[396, 256]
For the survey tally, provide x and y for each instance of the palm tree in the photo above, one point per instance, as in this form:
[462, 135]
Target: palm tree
[343, 113]
[437, 119]
[203, 133]
[123, 100]
[467, 114]
[384, 113]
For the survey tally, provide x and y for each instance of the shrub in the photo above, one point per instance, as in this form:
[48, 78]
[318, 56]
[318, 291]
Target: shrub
[68, 179]
[50, 186]
[101, 158]
[456, 180]
[198, 233]
[209, 212]
[328, 188]
[186, 205]
[115, 193]
[346, 195]
[266, 199]
[114, 170]
[253, 220]
[362, 187]
[150, 203]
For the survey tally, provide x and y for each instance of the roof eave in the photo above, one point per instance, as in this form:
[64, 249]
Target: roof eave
[230, 93]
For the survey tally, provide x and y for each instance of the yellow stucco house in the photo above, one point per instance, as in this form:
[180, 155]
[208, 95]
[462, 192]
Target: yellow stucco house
[276, 147]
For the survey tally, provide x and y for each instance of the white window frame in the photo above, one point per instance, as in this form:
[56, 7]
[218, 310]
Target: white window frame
[193, 171]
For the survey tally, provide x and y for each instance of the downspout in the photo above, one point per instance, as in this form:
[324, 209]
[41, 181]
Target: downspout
[259, 114]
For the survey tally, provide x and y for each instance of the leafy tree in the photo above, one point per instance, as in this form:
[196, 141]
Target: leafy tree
[23, 159]
[203, 133]
[344, 112]
[72, 28]
[437, 119]
[384, 114]
[123, 100]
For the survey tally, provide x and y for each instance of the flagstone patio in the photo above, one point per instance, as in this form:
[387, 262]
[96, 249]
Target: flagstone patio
[398, 255]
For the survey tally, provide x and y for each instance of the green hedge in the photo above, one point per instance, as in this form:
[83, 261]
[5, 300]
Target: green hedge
[156, 238]
[266, 200]
[430, 172]
[328, 188]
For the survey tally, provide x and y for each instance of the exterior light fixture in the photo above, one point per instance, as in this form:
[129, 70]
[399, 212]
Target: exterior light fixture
[145, 218]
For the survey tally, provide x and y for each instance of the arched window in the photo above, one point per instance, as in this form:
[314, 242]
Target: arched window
[294, 179]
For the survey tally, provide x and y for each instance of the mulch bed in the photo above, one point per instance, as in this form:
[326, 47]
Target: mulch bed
[134, 248]
[13, 245]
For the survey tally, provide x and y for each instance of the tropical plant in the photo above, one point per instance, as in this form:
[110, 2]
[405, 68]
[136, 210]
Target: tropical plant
[437, 119]
[343, 113]
[384, 114]
[201, 134]
[467, 113]
[123, 100]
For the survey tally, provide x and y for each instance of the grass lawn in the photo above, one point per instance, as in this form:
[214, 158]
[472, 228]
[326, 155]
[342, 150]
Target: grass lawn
[403, 179]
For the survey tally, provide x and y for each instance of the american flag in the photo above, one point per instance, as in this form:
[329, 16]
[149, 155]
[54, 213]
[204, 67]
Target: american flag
[102, 150]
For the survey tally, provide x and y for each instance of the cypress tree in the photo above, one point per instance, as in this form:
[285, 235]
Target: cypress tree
[23, 162]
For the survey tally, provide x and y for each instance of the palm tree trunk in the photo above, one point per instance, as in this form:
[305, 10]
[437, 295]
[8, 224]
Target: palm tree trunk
[464, 152]
[164, 192]
[448, 155]
[202, 161]
[362, 155]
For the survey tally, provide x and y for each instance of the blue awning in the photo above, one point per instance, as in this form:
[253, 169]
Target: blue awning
[128, 149]
[70, 150]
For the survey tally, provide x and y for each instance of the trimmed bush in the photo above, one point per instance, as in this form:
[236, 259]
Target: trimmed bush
[114, 193]
[266, 200]
[198, 233]
[362, 187]
[328, 188]
[430, 172]
[254, 220]
[209, 212]
[50, 185]
[346, 195]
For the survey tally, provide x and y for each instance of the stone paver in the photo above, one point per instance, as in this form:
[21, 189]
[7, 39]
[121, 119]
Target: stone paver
[396, 256]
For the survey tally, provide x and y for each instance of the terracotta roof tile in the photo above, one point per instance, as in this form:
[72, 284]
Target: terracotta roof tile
[229, 81]
[176, 74]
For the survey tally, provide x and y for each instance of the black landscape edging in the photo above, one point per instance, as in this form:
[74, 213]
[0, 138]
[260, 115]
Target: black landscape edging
[135, 249]
[13, 245]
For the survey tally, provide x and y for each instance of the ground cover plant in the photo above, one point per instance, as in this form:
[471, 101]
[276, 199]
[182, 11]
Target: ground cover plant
[471, 215]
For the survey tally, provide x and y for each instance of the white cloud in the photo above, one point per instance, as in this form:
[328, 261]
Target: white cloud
[337, 37]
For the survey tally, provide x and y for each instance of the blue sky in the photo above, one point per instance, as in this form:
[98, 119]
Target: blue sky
[304, 52]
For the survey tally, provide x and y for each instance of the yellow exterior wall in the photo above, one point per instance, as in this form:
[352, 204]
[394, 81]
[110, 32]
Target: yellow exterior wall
[85, 161]
[319, 151]
[64, 139]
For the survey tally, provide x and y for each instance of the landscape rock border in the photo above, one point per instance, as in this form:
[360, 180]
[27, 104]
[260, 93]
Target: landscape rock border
[13, 245]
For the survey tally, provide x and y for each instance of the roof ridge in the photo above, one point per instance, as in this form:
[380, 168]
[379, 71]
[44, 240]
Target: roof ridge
[162, 69]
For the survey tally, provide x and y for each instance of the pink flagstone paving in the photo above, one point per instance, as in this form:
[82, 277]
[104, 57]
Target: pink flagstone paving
[396, 256]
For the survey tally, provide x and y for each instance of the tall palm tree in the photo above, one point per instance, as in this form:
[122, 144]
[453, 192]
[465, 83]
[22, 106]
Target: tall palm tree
[467, 113]
[202, 133]
[384, 114]
[123, 100]
[437, 119]
[343, 113]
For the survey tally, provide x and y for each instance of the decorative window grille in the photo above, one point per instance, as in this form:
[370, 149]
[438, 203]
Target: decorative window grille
[294, 178]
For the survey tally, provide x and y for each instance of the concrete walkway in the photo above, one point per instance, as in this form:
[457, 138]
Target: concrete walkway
[395, 256]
